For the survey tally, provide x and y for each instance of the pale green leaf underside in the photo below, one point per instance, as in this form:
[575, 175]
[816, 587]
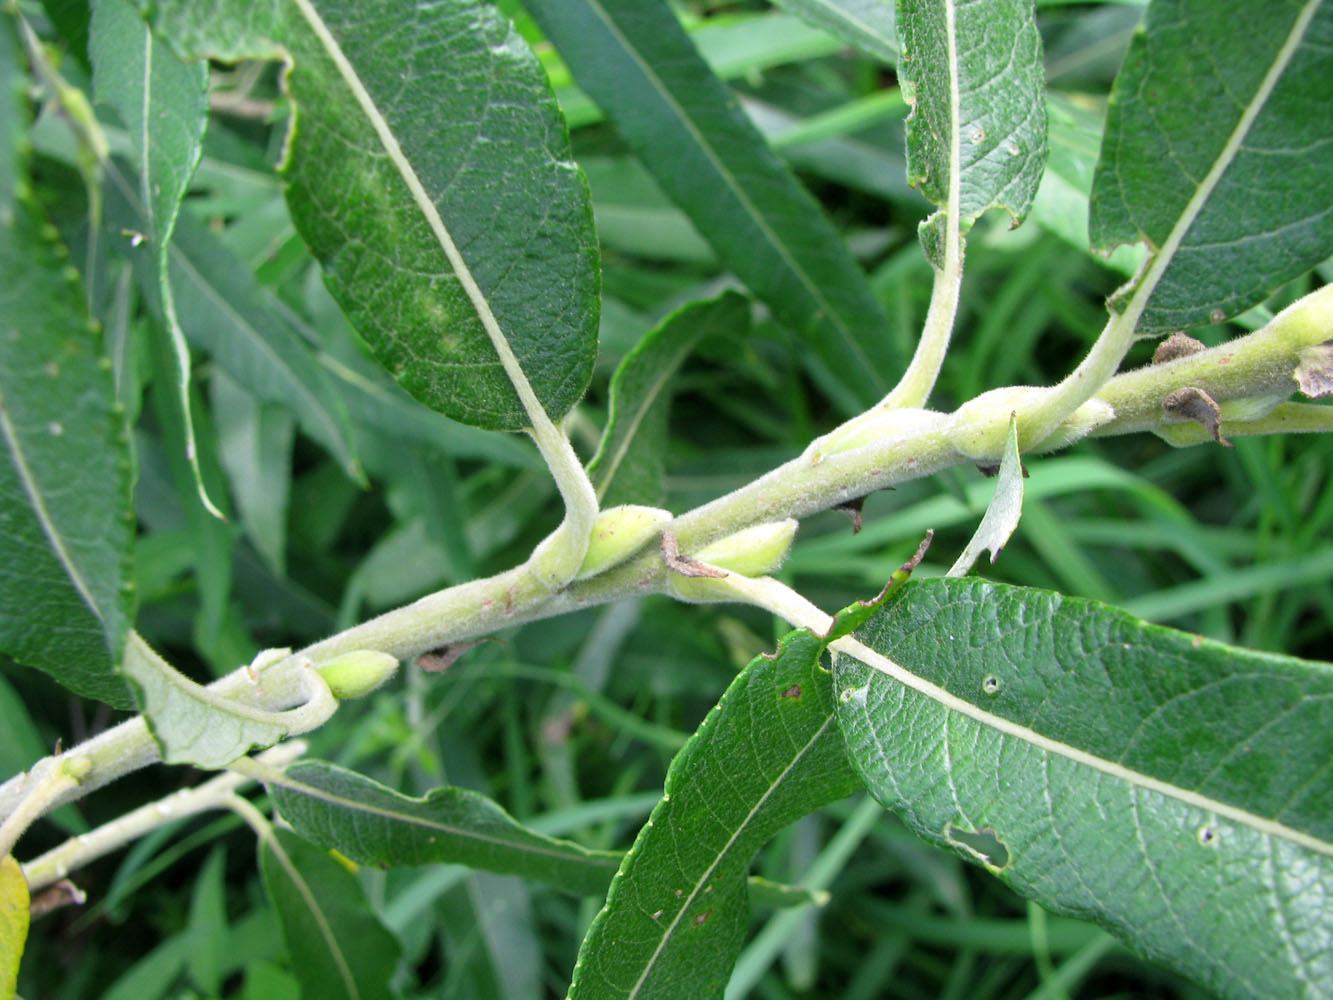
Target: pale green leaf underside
[65, 520]
[1003, 512]
[375, 825]
[977, 133]
[634, 59]
[194, 725]
[677, 912]
[629, 466]
[1170, 788]
[456, 233]
[866, 24]
[339, 949]
[1218, 154]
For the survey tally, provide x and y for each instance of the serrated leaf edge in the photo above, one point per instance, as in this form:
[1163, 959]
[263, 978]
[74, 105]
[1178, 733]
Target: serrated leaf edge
[1203, 191]
[38, 506]
[354, 805]
[509, 361]
[669, 929]
[877, 661]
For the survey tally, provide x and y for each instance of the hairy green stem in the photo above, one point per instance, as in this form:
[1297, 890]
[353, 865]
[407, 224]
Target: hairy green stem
[78, 851]
[913, 444]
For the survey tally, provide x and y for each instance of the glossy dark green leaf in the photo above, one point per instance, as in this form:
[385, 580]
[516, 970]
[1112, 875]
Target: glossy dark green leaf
[1171, 788]
[768, 753]
[375, 825]
[629, 466]
[339, 948]
[976, 138]
[456, 233]
[65, 520]
[1217, 154]
[635, 61]
[867, 24]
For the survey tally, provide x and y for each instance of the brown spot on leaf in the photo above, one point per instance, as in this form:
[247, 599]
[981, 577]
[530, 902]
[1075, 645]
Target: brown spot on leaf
[1195, 404]
[1178, 345]
[792, 692]
[702, 918]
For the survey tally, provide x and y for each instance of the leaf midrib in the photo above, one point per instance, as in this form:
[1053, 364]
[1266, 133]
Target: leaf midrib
[1194, 207]
[536, 414]
[812, 288]
[37, 504]
[947, 699]
[670, 928]
[568, 853]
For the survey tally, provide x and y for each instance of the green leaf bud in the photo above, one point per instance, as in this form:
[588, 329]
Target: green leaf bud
[618, 533]
[754, 551]
[355, 674]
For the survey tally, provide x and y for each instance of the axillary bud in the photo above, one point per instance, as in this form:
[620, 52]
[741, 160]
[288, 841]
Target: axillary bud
[355, 674]
[617, 534]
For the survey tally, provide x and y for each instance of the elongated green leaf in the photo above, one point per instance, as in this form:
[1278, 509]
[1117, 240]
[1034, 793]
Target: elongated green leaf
[195, 725]
[1171, 788]
[867, 24]
[1003, 512]
[13, 921]
[456, 233]
[163, 104]
[492, 936]
[65, 519]
[635, 61]
[976, 138]
[629, 465]
[339, 948]
[375, 825]
[1217, 153]
[231, 317]
[768, 754]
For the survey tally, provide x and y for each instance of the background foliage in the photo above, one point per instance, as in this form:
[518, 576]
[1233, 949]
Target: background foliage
[346, 498]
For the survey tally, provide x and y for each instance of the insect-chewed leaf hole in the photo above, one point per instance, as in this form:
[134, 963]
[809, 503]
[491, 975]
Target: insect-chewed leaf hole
[984, 844]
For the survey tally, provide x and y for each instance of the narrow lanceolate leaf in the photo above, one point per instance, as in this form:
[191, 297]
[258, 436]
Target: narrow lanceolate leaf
[628, 466]
[194, 725]
[634, 59]
[1001, 517]
[768, 754]
[866, 24]
[976, 137]
[455, 232]
[65, 520]
[339, 948]
[163, 104]
[1171, 788]
[1217, 154]
[13, 920]
[227, 313]
[375, 825]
